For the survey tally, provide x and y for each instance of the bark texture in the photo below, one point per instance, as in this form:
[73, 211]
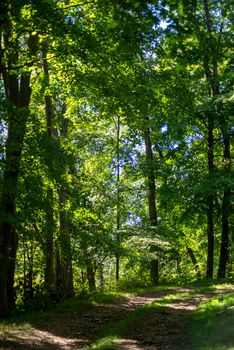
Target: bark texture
[154, 268]
[18, 93]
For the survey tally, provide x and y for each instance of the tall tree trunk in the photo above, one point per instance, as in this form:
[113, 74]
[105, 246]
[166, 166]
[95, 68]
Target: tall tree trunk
[211, 70]
[63, 263]
[66, 275]
[28, 271]
[210, 204]
[58, 272]
[117, 255]
[49, 246]
[8, 236]
[224, 247]
[151, 199]
[151, 179]
[66, 272]
[18, 93]
[226, 206]
[11, 271]
[210, 64]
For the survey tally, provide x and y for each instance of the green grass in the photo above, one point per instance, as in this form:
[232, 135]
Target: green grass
[212, 324]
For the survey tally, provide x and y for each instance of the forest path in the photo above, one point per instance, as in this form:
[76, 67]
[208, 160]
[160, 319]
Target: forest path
[158, 330]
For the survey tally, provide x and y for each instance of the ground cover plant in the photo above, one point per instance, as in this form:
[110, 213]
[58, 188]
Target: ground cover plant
[212, 324]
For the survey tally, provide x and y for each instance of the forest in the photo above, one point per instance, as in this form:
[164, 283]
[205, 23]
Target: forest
[116, 146]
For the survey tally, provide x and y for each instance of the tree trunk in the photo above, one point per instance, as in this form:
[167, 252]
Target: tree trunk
[49, 247]
[151, 179]
[28, 272]
[65, 238]
[211, 71]
[66, 272]
[8, 236]
[117, 255]
[210, 64]
[91, 276]
[11, 272]
[224, 247]
[210, 206]
[154, 271]
[194, 261]
[151, 200]
[101, 276]
[226, 206]
[18, 93]
[57, 273]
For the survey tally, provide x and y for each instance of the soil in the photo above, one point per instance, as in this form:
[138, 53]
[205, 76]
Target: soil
[163, 329]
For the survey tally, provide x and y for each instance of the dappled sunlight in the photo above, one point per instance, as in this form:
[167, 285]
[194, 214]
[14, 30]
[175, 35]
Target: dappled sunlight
[138, 322]
[37, 339]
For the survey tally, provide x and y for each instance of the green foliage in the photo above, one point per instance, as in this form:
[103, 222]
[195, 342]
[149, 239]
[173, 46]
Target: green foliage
[91, 65]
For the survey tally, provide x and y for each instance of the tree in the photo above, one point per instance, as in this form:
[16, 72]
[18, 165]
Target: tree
[202, 30]
[18, 93]
[118, 203]
[153, 219]
[50, 121]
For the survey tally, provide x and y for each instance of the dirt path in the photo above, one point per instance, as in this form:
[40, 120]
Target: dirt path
[161, 329]
[76, 331]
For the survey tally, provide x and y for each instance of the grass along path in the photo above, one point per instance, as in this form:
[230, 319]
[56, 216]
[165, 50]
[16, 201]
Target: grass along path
[156, 319]
[172, 323]
[212, 324]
